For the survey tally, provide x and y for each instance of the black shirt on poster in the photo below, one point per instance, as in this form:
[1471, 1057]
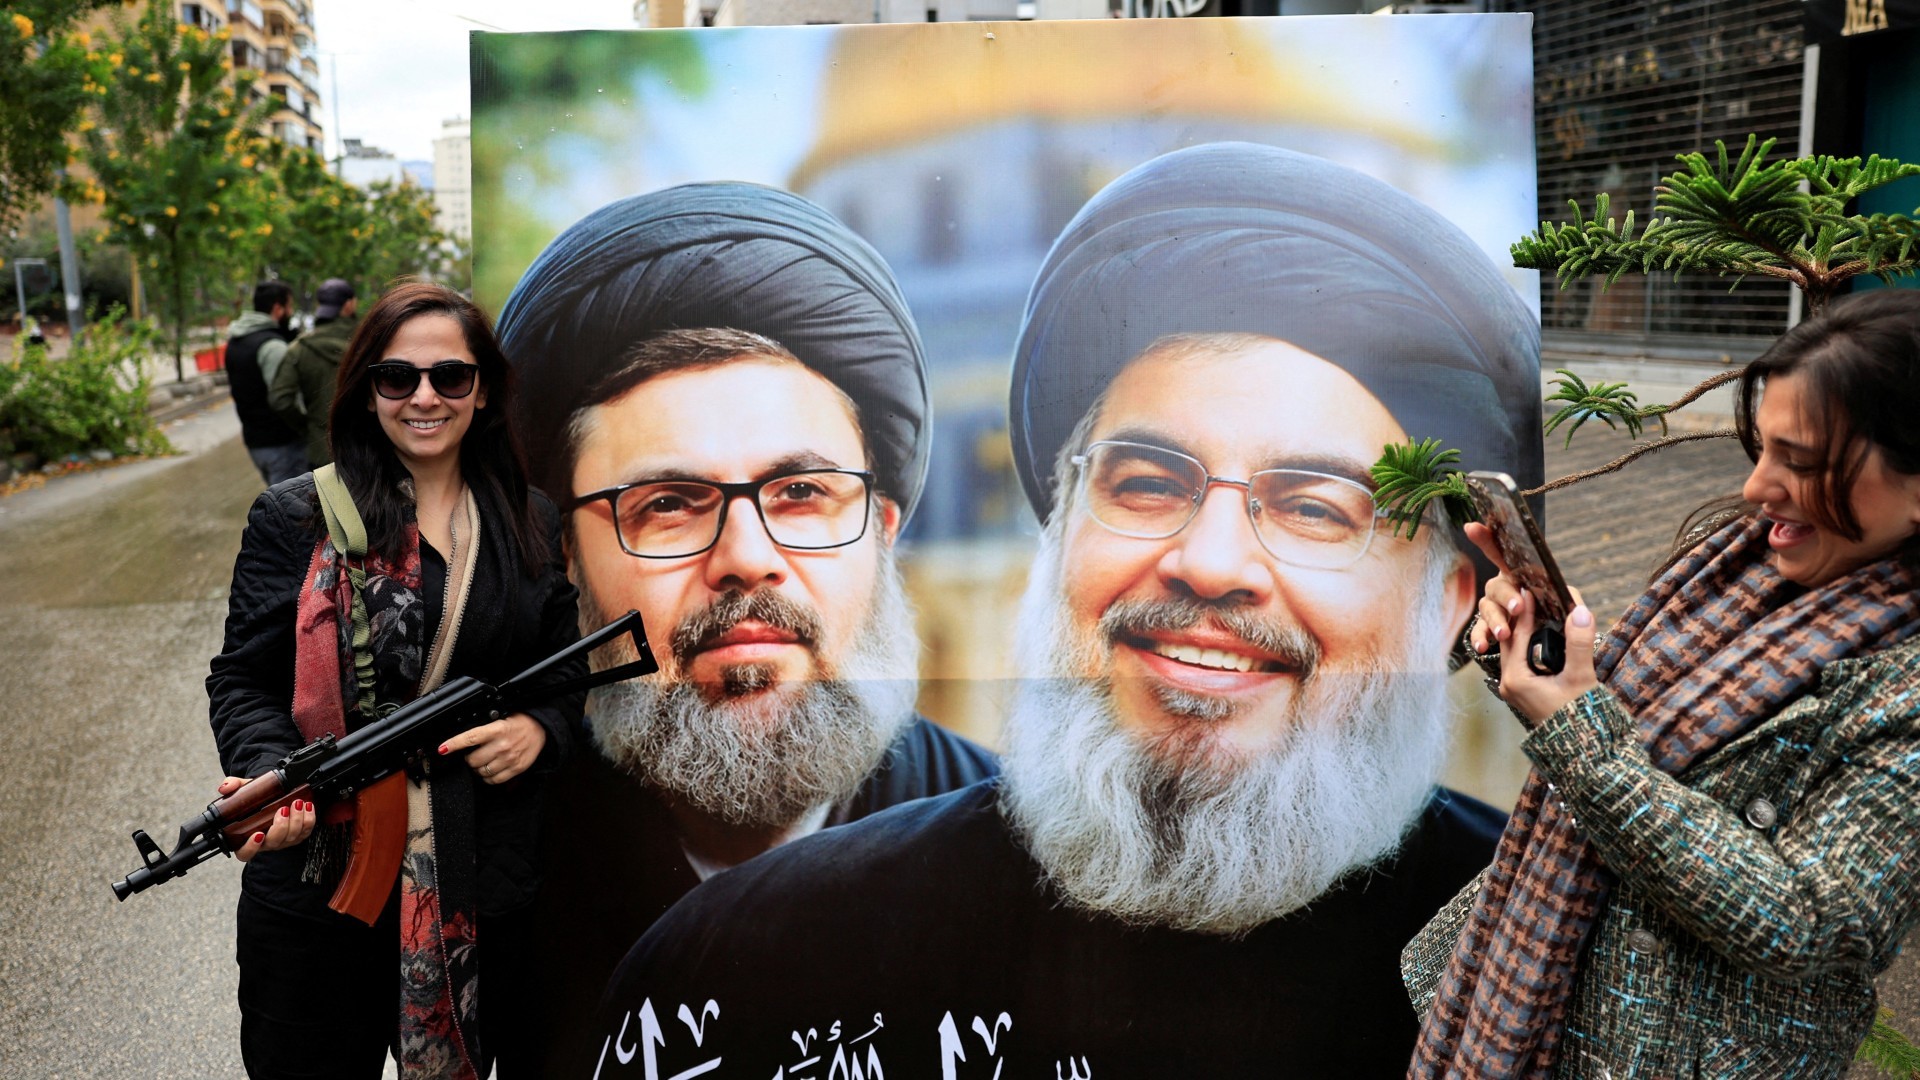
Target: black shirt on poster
[924, 942]
[611, 864]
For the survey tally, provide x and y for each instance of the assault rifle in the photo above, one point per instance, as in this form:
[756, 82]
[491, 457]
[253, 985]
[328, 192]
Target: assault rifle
[369, 766]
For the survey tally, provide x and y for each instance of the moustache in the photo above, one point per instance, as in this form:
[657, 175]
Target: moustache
[730, 609]
[1293, 647]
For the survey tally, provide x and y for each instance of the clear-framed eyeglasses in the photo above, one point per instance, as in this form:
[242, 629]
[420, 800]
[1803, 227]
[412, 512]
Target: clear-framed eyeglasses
[1302, 518]
[807, 510]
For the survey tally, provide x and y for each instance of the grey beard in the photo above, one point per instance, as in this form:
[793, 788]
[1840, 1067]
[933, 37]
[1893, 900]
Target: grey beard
[759, 753]
[1170, 834]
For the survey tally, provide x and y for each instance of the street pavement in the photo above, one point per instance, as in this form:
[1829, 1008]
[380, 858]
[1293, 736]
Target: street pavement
[112, 594]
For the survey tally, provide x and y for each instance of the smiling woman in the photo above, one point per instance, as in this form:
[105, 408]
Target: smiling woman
[1719, 847]
[424, 394]
[459, 575]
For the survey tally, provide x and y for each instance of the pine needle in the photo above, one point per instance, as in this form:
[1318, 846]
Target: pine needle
[1408, 478]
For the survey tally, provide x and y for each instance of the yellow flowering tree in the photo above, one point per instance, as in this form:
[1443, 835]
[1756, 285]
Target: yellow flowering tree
[317, 220]
[401, 238]
[173, 147]
[45, 85]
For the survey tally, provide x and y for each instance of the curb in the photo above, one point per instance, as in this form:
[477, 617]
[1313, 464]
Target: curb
[171, 401]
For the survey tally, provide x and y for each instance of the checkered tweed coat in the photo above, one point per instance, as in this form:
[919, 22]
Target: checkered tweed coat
[1759, 892]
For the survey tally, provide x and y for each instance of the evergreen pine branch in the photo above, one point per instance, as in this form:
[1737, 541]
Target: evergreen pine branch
[1610, 403]
[1737, 215]
[1886, 1049]
[1639, 451]
[1699, 390]
[1408, 478]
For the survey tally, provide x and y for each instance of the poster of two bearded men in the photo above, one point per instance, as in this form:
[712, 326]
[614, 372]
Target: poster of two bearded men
[1148, 573]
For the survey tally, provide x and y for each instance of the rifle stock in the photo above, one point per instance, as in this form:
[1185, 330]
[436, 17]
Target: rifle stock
[369, 766]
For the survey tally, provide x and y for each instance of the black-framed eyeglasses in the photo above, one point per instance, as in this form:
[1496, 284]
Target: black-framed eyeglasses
[394, 380]
[807, 510]
[1300, 517]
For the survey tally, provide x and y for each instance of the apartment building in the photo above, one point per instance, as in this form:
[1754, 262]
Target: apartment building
[273, 38]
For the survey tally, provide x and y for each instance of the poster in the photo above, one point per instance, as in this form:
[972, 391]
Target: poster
[1278, 242]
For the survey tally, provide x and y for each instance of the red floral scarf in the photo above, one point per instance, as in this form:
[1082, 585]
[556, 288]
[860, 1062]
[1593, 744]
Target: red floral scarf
[439, 985]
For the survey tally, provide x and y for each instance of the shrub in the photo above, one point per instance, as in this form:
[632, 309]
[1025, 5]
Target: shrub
[95, 398]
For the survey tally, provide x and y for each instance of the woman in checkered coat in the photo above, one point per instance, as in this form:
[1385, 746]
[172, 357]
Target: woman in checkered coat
[1719, 846]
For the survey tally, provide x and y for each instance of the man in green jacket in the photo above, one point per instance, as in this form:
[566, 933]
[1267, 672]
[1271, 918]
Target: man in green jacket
[302, 390]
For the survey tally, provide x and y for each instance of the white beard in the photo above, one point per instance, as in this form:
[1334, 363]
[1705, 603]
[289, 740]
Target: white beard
[755, 753]
[1195, 844]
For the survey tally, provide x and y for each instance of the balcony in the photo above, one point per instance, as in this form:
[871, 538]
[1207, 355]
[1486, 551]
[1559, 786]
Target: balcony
[200, 15]
[246, 11]
[295, 13]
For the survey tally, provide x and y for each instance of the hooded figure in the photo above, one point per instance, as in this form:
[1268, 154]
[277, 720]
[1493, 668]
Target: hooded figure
[720, 254]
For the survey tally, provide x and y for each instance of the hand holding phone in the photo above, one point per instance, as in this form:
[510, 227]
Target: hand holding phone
[1529, 563]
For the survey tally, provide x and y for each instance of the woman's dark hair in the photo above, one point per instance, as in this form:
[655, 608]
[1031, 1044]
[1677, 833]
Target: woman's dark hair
[1859, 366]
[1860, 369]
[491, 460]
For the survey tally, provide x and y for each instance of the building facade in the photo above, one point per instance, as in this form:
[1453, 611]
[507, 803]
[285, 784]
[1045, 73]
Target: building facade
[275, 40]
[1620, 87]
[453, 179]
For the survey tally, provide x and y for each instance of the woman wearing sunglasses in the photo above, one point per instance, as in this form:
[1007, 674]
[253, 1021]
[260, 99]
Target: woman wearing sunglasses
[461, 574]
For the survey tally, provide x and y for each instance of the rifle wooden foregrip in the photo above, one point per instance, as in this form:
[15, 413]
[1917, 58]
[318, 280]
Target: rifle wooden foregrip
[253, 807]
[379, 841]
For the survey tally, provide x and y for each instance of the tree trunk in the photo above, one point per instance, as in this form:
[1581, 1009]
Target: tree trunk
[178, 275]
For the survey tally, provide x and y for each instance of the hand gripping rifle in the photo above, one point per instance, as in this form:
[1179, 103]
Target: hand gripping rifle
[369, 766]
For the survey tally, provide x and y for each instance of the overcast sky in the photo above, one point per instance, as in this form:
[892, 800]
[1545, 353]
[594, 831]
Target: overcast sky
[400, 66]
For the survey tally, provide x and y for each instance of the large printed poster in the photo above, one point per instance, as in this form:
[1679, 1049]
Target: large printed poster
[1021, 378]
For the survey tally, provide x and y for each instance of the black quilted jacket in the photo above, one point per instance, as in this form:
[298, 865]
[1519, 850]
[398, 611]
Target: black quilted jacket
[512, 621]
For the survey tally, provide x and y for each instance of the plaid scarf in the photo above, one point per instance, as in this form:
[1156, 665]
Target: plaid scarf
[1717, 644]
[438, 983]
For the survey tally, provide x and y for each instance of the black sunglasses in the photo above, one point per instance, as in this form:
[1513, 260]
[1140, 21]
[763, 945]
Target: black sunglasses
[450, 378]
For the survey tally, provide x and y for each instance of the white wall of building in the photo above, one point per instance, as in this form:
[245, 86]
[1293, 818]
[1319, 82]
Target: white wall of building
[453, 178]
[363, 171]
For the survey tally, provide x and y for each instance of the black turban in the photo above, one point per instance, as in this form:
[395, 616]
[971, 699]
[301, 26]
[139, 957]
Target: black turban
[1234, 237]
[730, 255]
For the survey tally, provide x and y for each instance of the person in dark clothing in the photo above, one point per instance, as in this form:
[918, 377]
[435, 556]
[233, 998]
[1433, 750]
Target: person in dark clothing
[1219, 819]
[741, 483]
[256, 345]
[463, 574]
[301, 392]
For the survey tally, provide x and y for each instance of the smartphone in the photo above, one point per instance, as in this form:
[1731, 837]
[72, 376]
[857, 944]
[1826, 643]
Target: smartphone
[1524, 549]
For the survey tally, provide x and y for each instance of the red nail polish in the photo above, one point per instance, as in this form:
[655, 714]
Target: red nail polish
[284, 811]
[443, 748]
[259, 838]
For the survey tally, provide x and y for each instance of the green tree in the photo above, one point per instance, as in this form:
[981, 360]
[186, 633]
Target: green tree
[401, 238]
[46, 81]
[318, 220]
[175, 152]
[1785, 219]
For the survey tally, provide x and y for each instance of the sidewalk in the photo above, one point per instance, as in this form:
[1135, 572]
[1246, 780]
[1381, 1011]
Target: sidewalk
[1654, 380]
[194, 423]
